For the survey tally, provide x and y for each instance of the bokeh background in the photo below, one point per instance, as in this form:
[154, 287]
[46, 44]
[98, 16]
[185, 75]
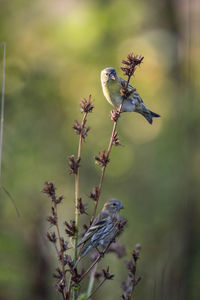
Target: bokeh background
[55, 52]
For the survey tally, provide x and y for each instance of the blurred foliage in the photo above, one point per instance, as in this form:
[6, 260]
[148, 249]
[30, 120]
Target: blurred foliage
[55, 52]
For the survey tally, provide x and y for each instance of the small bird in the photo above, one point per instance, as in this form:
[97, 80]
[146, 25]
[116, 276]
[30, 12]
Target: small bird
[112, 86]
[103, 230]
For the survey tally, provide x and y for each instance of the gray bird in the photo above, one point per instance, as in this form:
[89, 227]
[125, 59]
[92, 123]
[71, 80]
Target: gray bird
[103, 230]
[112, 85]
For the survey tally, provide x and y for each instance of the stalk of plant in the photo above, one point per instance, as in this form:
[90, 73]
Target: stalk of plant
[49, 190]
[81, 130]
[129, 285]
[3, 44]
[106, 276]
[7, 193]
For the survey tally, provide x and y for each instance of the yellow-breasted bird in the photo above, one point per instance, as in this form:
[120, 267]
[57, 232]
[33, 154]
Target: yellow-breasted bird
[104, 228]
[112, 86]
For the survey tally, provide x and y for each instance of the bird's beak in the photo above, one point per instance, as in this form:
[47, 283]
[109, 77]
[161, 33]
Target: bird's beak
[121, 206]
[112, 77]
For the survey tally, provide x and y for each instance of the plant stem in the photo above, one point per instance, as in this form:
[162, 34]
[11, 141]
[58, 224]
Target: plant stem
[104, 167]
[95, 262]
[75, 294]
[108, 153]
[91, 282]
[77, 191]
[3, 44]
[65, 292]
[98, 286]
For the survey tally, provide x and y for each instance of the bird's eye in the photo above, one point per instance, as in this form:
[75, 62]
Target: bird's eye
[106, 74]
[114, 204]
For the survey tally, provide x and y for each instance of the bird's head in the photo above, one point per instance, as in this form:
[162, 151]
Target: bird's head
[113, 206]
[108, 74]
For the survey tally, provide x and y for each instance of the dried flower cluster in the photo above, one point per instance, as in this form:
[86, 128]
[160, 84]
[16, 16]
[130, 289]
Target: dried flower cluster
[80, 129]
[86, 105]
[60, 244]
[102, 159]
[129, 285]
[70, 228]
[73, 164]
[94, 195]
[131, 63]
[116, 141]
[68, 276]
[130, 66]
[81, 207]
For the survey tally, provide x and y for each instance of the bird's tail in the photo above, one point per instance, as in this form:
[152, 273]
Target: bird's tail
[85, 249]
[149, 115]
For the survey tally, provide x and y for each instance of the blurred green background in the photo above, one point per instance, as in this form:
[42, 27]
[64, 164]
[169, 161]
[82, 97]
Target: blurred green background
[55, 52]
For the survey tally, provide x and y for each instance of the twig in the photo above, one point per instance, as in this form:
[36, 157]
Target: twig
[91, 266]
[91, 282]
[129, 285]
[96, 289]
[3, 44]
[61, 254]
[11, 199]
[95, 262]
[77, 190]
[107, 276]
[104, 167]
[61, 286]
[2, 101]
[76, 201]
[119, 111]
[86, 107]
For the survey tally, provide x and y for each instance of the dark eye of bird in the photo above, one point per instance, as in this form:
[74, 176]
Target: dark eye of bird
[106, 74]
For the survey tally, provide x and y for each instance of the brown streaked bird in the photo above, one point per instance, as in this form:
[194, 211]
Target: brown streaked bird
[103, 230]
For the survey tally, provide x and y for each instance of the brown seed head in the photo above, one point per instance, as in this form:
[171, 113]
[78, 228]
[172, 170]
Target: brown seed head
[102, 159]
[70, 228]
[94, 195]
[81, 207]
[73, 164]
[106, 274]
[86, 105]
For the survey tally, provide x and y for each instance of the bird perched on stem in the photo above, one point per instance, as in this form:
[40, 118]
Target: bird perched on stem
[104, 228]
[116, 91]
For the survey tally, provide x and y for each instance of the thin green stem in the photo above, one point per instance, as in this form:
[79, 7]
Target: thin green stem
[77, 190]
[95, 262]
[2, 101]
[75, 292]
[96, 289]
[91, 282]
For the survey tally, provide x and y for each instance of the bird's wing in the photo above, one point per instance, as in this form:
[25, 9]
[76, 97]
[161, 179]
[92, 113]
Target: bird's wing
[98, 223]
[135, 95]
